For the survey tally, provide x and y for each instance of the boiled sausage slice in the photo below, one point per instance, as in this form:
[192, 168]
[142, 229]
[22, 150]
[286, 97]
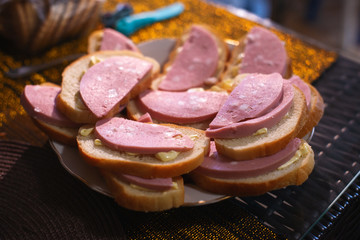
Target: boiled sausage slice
[219, 166]
[137, 137]
[105, 84]
[255, 95]
[181, 107]
[196, 62]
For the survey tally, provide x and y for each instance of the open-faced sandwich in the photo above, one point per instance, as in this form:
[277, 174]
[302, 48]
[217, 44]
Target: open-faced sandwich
[197, 60]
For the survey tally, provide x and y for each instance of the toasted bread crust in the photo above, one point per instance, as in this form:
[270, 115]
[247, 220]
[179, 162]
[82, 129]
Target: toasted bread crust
[295, 174]
[142, 200]
[276, 138]
[145, 165]
[315, 114]
[62, 135]
[69, 101]
[94, 40]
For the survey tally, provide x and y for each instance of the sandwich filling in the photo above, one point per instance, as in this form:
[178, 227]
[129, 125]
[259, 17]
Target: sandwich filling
[181, 107]
[114, 40]
[219, 166]
[252, 107]
[194, 64]
[40, 103]
[264, 53]
[141, 138]
[104, 85]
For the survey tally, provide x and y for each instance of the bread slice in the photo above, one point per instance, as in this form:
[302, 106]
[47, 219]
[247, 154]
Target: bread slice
[295, 173]
[135, 113]
[94, 41]
[143, 165]
[69, 101]
[64, 135]
[315, 113]
[139, 199]
[276, 137]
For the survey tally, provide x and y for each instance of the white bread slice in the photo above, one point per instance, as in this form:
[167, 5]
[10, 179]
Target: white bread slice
[69, 101]
[315, 114]
[94, 41]
[134, 113]
[224, 52]
[64, 135]
[144, 165]
[276, 137]
[139, 199]
[295, 173]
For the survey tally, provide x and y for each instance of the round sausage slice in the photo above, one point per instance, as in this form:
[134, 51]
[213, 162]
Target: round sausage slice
[250, 126]
[303, 86]
[194, 64]
[106, 84]
[157, 184]
[255, 95]
[264, 53]
[181, 107]
[216, 165]
[39, 101]
[114, 40]
[137, 137]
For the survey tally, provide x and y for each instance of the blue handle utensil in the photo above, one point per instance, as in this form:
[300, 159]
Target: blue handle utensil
[132, 23]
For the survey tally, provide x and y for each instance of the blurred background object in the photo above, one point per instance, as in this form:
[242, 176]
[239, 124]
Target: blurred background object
[33, 26]
[333, 23]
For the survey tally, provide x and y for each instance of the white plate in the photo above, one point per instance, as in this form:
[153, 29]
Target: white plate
[69, 157]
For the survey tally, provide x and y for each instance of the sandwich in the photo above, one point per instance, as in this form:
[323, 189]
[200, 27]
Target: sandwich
[259, 51]
[222, 175]
[314, 103]
[255, 147]
[189, 108]
[100, 84]
[39, 101]
[142, 149]
[197, 60]
[143, 163]
[259, 118]
[108, 39]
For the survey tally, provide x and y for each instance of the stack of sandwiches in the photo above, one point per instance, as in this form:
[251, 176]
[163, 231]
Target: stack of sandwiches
[233, 121]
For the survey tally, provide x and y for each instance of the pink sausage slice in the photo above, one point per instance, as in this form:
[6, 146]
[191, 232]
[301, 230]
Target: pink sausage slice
[264, 53]
[105, 84]
[40, 103]
[219, 166]
[114, 40]
[196, 62]
[256, 95]
[137, 137]
[248, 127]
[146, 118]
[181, 107]
[157, 184]
[298, 82]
